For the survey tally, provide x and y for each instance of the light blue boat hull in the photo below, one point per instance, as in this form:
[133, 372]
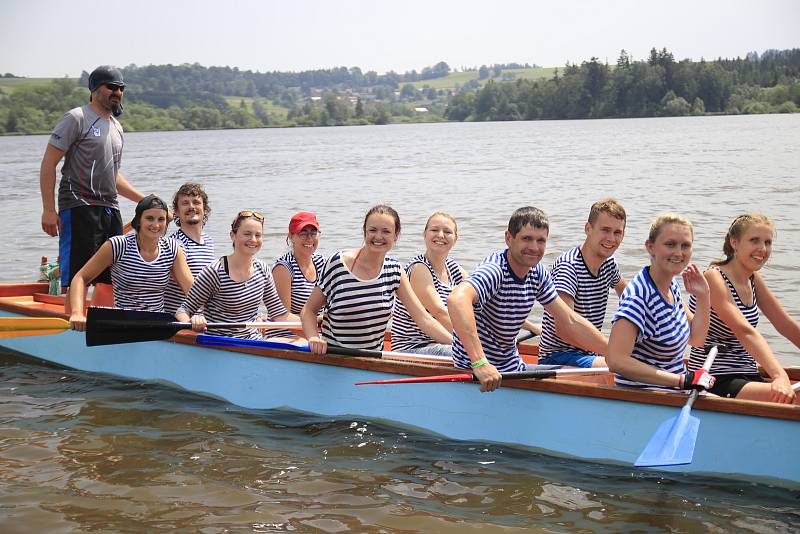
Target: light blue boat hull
[743, 447]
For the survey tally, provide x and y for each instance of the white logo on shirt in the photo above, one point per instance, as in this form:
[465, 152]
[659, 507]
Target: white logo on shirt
[95, 131]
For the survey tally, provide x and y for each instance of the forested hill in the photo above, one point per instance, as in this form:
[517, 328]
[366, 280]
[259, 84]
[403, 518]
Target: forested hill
[178, 97]
[167, 84]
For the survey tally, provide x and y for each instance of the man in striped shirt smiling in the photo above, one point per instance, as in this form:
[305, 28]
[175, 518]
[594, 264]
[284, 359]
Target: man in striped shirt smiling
[582, 276]
[490, 307]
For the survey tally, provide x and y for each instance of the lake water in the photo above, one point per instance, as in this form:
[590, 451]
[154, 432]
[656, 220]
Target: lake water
[85, 452]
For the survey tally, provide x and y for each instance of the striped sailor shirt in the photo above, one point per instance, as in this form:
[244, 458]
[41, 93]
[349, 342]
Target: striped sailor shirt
[504, 302]
[228, 301]
[198, 255]
[405, 332]
[663, 327]
[572, 277]
[301, 286]
[732, 357]
[138, 284]
[358, 311]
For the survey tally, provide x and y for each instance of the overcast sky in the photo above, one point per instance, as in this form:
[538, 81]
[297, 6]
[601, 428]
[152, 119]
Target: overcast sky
[58, 38]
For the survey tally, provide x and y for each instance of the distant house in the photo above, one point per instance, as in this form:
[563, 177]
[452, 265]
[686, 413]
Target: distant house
[421, 110]
[316, 98]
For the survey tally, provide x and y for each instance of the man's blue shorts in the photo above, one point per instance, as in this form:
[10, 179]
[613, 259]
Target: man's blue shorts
[574, 358]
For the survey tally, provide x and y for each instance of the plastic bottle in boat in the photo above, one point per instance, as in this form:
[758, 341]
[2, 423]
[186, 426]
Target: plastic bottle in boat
[54, 277]
[43, 270]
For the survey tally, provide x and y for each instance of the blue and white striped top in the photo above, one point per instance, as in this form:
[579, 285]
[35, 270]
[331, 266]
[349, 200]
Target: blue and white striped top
[589, 292]
[358, 311]
[301, 286]
[663, 327]
[228, 301]
[504, 302]
[732, 357]
[405, 332]
[197, 256]
[140, 285]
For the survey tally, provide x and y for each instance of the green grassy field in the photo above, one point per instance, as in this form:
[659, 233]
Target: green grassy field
[278, 111]
[10, 84]
[460, 78]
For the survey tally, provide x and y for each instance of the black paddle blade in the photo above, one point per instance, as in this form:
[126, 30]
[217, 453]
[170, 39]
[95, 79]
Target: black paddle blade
[110, 326]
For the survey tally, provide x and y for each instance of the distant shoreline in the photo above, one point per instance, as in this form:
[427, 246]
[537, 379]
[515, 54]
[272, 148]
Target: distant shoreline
[398, 123]
[197, 98]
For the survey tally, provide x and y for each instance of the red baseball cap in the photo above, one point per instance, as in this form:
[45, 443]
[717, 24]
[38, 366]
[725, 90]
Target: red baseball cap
[302, 219]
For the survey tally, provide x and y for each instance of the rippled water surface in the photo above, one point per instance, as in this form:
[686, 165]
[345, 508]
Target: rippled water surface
[82, 452]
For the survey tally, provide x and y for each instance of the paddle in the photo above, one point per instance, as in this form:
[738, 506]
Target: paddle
[31, 326]
[525, 337]
[469, 377]
[673, 442]
[110, 326]
[223, 341]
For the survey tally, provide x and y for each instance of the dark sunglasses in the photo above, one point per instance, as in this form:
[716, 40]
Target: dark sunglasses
[114, 87]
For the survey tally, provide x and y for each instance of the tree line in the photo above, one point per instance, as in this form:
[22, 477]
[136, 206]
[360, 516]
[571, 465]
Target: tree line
[188, 97]
[166, 85]
[657, 86]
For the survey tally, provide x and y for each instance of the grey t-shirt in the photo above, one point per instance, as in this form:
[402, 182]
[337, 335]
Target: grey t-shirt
[93, 147]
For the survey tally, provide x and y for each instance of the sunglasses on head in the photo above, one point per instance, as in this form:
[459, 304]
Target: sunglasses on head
[115, 87]
[247, 213]
[244, 215]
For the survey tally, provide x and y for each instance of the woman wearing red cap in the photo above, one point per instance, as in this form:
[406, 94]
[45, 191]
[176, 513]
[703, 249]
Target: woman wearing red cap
[141, 263]
[358, 287]
[296, 272]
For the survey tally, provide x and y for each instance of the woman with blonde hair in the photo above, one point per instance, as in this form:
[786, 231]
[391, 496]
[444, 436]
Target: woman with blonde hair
[358, 287]
[433, 275]
[652, 325]
[738, 291]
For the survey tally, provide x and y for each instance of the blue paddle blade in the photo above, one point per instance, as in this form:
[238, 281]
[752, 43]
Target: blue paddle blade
[224, 341]
[673, 442]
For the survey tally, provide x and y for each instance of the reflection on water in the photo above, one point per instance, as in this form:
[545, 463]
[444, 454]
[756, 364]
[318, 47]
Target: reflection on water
[84, 452]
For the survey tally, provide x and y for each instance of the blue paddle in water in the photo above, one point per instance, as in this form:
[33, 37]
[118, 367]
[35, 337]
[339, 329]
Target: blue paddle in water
[673, 442]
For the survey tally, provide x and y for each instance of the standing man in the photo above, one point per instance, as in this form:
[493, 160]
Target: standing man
[490, 307]
[90, 140]
[582, 276]
[191, 209]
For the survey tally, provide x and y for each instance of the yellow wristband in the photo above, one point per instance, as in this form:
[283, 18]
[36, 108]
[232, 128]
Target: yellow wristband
[478, 363]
